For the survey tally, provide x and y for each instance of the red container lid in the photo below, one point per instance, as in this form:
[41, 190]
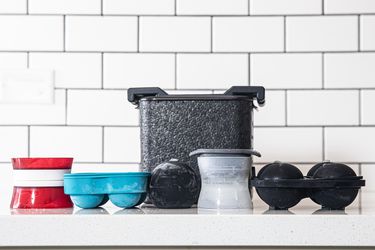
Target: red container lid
[42, 163]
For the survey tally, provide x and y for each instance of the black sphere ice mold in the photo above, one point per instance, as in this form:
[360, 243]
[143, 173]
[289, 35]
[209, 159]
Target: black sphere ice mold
[331, 185]
[173, 184]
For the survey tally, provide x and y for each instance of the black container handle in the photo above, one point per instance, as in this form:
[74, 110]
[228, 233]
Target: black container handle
[135, 94]
[254, 92]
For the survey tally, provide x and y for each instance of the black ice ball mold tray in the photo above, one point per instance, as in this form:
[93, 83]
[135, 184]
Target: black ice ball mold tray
[331, 185]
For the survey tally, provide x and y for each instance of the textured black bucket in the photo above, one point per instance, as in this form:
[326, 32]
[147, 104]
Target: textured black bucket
[172, 126]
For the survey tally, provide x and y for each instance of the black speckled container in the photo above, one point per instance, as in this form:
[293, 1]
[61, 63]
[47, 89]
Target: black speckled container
[172, 126]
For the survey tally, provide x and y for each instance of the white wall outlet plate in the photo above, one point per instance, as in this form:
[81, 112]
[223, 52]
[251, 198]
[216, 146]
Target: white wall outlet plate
[27, 86]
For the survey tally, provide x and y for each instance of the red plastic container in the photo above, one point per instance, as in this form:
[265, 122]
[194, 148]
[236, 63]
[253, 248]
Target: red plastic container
[40, 197]
[39, 183]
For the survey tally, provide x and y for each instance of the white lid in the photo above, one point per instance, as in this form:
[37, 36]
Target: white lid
[39, 174]
[28, 183]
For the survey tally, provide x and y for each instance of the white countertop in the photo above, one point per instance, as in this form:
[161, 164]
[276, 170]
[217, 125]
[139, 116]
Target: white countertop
[303, 225]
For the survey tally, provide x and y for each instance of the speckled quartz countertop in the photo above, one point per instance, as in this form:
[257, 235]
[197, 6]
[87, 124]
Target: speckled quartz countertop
[303, 225]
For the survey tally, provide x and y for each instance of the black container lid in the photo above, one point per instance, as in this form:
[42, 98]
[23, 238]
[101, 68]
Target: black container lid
[247, 93]
[200, 97]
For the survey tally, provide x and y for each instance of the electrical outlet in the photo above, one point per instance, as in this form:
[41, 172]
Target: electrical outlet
[27, 86]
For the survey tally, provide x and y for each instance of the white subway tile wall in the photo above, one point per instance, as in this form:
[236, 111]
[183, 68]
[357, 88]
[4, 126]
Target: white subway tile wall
[349, 70]
[286, 70]
[35, 114]
[247, 34]
[72, 70]
[10, 60]
[349, 6]
[285, 7]
[212, 7]
[138, 7]
[368, 107]
[350, 144]
[13, 6]
[323, 107]
[14, 142]
[100, 33]
[31, 33]
[175, 34]
[316, 58]
[84, 143]
[119, 142]
[367, 32]
[139, 70]
[289, 144]
[274, 112]
[322, 33]
[209, 71]
[64, 6]
[100, 107]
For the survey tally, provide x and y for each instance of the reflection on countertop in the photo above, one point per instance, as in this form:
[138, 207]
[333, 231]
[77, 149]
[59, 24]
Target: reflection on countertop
[364, 204]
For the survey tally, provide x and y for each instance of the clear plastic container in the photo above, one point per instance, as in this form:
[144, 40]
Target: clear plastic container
[225, 177]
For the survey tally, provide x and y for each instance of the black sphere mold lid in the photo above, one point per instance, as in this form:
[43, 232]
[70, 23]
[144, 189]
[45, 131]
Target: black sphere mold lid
[173, 184]
[331, 185]
[224, 152]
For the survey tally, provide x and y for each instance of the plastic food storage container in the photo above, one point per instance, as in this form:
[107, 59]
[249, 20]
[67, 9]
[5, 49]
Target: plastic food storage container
[225, 177]
[174, 125]
[39, 183]
[90, 190]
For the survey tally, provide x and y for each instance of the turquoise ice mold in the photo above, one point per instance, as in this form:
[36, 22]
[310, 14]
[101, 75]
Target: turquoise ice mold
[90, 190]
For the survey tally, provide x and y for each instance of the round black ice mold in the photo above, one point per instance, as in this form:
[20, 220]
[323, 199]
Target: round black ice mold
[280, 198]
[333, 198]
[332, 185]
[331, 170]
[173, 184]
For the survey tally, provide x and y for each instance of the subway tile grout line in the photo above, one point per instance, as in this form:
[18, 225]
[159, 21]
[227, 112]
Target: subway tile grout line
[175, 71]
[359, 33]
[248, 7]
[64, 33]
[360, 201]
[212, 33]
[71, 125]
[175, 7]
[315, 126]
[191, 15]
[203, 89]
[286, 108]
[284, 49]
[28, 59]
[360, 191]
[103, 144]
[249, 69]
[323, 71]
[323, 3]
[66, 107]
[197, 52]
[101, 7]
[359, 107]
[136, 126]
[323, 143]
[102, 70]
[28, 141]
[27, 7]
[138, 30]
